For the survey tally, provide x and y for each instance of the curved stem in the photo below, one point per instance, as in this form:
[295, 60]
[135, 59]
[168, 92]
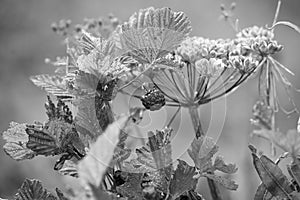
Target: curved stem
[193, 110]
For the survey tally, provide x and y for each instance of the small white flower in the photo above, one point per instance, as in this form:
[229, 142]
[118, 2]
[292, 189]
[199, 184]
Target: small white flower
[209, 67]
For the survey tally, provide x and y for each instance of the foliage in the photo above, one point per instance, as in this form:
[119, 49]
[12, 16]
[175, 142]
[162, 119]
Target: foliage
[105, 58]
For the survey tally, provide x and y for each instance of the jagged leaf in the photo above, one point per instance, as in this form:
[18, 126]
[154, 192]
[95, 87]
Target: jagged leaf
[60, 195]
[201, 151]
[132, 188]
[152, 33]
[99, 194]
[102, 46]
[156, 156]
[182, 180]
[33, 190]
[157, 153]
[226, 182]
[86, 120]
[55, 85]
[271, 176]
[42, 141]
[69, 168]
[191, 195]
[220, 165]
[87, 82]
[16, 141]
[92, 168]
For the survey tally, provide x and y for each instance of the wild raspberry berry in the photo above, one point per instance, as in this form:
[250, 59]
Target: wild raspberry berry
[153, 99]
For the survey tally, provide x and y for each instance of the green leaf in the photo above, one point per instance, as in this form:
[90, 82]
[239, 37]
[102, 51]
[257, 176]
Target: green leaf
[157, 153]
[294, 171]
[182, 180]
[262, 115]
[69, 168]
[202, 151]
[55, 85]
[97, 44]
[42, 141]
[99, 194]
[263, 194]
[271, 176]
[16, 141]
[33, 190]
[191, 195]
[289, 142]
[86, 121]
[156, 156]
[60, 195]
[93, 167]
[226, 182]
[220, 165]
[152, 33]
[87, 82]
[132, 188]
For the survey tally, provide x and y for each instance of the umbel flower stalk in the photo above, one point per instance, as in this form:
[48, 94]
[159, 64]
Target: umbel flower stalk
[202, 70]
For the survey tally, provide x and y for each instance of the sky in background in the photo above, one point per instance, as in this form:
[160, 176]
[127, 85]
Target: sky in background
[26, 40]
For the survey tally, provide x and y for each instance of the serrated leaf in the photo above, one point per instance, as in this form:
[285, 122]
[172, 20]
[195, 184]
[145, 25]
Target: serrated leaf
[271, 176]
[60, 195]
[69, 168]
[157, 153]
[191, 195]
[220, 165]
[42, 142]
[120, 155]
[152, 33]
[201, 151]
[132, 188]
[33, 190]
[104, 112]
[86, 120]
[92, 168]
[156, 157]
[226, 182]
[99, 194]
[87, 81]
[182, 180]
[55, 85]
[56, 137]
[97, 44]
[16, 141]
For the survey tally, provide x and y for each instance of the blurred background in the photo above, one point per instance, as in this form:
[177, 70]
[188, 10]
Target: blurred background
[26, 40]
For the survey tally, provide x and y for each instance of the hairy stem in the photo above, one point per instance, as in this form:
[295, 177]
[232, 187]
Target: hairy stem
[193, 110]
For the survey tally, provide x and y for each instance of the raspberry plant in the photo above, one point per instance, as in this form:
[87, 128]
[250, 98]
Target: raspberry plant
[153, 54]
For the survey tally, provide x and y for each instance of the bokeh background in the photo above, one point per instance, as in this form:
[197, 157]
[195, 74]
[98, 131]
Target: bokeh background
[26, 40]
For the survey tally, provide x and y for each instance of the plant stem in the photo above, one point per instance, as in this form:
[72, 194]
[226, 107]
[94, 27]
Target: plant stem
[214, 190]
[193, 110]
